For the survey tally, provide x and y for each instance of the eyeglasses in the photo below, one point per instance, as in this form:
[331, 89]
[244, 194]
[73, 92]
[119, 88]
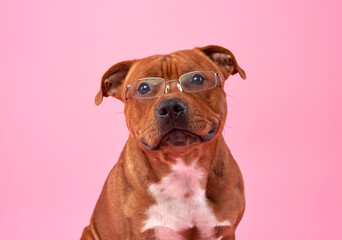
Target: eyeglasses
[153, 87]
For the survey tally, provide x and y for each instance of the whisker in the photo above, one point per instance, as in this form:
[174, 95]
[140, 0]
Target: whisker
[231, 90]
[206, 117]
[148, 128]
[114, 114]
[228, 95]
[227, 126]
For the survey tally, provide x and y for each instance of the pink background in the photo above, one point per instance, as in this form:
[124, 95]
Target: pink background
[284, 126]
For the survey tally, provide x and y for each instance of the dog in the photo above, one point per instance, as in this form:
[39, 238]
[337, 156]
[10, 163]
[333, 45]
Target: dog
[175, 178]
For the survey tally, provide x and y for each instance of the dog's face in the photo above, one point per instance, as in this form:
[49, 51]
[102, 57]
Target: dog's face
[173, 101]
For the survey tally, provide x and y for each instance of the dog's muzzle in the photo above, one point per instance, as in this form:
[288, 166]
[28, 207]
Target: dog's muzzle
[175, 127]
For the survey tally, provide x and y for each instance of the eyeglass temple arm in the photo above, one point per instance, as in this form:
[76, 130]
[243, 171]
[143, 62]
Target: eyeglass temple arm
[128, 87]
[219, 77]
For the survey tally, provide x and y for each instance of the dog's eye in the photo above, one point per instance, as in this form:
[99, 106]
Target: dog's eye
[144, 88]
[197, 79]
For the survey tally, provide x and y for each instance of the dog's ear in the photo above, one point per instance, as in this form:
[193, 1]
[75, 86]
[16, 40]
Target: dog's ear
[224, 59]
[112, 80]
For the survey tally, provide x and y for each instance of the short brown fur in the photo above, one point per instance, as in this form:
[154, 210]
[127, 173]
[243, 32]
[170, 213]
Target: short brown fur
[121, 209]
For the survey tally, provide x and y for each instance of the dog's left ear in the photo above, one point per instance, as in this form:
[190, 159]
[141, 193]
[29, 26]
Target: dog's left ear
[224, 59]
[112, 80]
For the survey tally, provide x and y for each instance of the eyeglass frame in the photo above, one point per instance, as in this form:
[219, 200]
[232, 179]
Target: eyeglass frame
[217, 75]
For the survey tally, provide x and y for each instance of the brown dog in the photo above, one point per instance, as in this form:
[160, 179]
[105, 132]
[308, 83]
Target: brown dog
[175, 178]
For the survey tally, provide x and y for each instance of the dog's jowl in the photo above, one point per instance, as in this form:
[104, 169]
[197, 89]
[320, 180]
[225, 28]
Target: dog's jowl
[175, 178]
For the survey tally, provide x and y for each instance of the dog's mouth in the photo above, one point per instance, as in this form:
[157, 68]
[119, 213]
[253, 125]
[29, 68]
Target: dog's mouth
[180, 138]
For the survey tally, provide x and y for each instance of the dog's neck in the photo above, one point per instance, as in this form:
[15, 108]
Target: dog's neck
[156, 164]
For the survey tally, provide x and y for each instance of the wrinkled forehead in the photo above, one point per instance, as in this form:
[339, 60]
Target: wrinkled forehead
[170, 66]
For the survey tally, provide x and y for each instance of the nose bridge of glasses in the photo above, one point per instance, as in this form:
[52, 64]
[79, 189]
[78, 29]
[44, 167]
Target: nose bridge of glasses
[170, 84]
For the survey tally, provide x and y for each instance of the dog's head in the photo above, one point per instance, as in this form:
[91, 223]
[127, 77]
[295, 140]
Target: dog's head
[175, 100]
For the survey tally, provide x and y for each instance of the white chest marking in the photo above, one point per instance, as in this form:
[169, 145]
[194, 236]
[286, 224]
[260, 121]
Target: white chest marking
[181, 204]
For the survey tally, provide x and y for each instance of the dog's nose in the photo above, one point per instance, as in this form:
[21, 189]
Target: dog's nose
[170, 108]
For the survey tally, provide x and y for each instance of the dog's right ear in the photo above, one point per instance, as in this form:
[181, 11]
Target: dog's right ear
[112, 80]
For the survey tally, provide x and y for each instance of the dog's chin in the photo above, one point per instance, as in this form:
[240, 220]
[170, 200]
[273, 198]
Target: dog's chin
[180, 138]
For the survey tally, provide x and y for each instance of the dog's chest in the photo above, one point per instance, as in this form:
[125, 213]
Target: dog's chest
[181, 204]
